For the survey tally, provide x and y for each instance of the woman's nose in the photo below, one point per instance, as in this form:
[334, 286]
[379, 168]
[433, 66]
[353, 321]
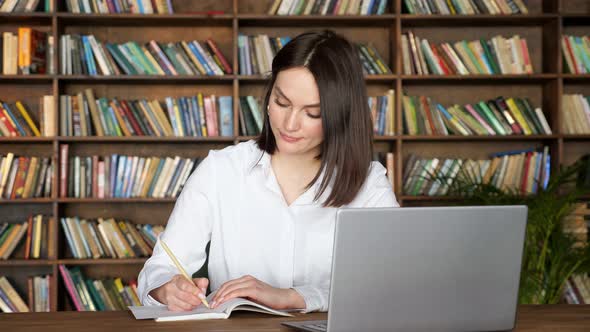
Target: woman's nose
[292, 121]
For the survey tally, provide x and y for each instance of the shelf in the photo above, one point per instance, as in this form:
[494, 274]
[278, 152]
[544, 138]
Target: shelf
[149, 19]
[26, 139]
[115, 200]
[428, 198]
[27, 201]
[264, 79]
[143, 139]
[478, 138]
[487, 79]
[145, 79]
[576, 137]
[26, 262]
[27, 18]
[409, 20]
[262, 20]
[33, 78]
[576, 78]
[576, 19]
[101, 261]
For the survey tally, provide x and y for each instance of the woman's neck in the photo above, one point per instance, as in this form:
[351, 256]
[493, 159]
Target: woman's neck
[301, 167]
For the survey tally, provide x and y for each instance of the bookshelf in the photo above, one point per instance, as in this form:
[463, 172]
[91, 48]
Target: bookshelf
[547, 20]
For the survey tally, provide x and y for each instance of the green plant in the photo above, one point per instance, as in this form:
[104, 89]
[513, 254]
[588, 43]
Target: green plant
[550, 256]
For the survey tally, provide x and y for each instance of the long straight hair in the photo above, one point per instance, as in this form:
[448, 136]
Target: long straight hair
[347, 147]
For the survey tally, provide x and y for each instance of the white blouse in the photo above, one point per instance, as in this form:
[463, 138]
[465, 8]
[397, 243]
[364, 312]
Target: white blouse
[233, 199]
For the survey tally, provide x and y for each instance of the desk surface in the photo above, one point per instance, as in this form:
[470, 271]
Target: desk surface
[530, 318]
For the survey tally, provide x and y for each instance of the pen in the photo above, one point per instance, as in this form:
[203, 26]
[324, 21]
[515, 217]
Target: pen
[180, 268]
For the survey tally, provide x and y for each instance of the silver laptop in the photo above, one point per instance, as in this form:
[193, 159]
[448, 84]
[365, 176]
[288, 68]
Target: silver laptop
[425, 269]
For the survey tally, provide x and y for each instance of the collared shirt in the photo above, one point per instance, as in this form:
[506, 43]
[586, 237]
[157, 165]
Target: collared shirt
[233, 199]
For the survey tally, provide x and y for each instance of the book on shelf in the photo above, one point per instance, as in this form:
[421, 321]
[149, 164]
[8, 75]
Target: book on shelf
[28, 51]
[577, 289]
[422, 115]
[25, 177]
[496, 56]
[197, 116]
[328, 7]
[520, 171]
[465, 7]
[108, 238]
[98, 294]
[576, 224]
[10, 300]
[121, 176]
[85, 55]
[250, 115]
[120, 7]
[38, 233]
[576, 54]
[387, 160]
[26, 6]
[383, 113]
[17, 120]
[576, 114]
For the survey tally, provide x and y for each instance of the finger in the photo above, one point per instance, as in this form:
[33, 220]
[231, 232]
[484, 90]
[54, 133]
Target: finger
[180, 304]
[202, 284]
[230, 283]
[187, 286]
[188, 298]
[249, 292]
[222, 297]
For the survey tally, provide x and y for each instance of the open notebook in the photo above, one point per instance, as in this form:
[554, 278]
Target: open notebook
[162, 314]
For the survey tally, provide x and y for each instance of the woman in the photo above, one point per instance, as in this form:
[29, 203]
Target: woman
[268, 206]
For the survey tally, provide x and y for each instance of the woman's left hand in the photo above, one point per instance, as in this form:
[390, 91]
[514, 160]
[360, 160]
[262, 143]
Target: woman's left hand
[260, 292]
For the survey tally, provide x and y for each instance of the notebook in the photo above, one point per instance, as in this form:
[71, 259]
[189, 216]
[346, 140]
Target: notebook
[162, 314]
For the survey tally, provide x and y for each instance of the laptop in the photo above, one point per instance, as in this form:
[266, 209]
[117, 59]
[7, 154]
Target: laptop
[425, 269]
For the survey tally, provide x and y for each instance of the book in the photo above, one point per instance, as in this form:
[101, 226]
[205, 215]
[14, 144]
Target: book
[162, 314]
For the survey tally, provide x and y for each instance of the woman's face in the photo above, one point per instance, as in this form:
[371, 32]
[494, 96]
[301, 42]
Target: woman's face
[294, 113]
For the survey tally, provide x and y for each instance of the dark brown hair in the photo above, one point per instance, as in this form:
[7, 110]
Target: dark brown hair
[347, 148]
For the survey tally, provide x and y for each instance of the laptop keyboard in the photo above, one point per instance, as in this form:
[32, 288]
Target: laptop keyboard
[320, 326]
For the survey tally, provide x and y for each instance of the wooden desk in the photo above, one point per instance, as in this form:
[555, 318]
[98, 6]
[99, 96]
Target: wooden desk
[530, 318]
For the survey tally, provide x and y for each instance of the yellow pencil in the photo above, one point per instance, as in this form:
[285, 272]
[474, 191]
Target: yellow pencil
[180, 268]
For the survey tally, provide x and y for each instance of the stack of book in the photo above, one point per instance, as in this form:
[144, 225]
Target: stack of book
[108, 238]
[576, 114]
[576, 54]
[39, 232]
[98, 295]
[25, 177]
[328, 7]
[383, 113]
[372, 62]
[577, 289]
[16, 120]
[500, 116]
[576, 224]
[523, 172]
[250, 116]
[120, 7]
[85, 55]
[255, 53]
[10, 300]
[199, 115]
[38, 293]
[122, 176]
[387, 160]
[465, 7]
[25, 6]
[29, 51]
[498, 55]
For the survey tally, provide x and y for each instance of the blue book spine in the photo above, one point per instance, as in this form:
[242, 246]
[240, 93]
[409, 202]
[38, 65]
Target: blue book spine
[116, 126]
[370, 8]
[113, 175]
[84, 241]
[184, 112]
[196, 115]
[249, 68]
[13, 118]
[201, 58]
[172, 115]
[547, 172]
[4, 298]
[156, 176]
[120, 171]
[175, 176]
[69, 238]
[537, 180]
[242, 55]
[129, 178]
[226, 116]
[191, 114]
[382, 5]
[118, 9]
[445, 113]
[140, 6]
[511, 152]
[579, 44]
[89, 57]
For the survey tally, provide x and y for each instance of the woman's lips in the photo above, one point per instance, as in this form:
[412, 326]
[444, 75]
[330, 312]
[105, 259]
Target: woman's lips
[289, 138]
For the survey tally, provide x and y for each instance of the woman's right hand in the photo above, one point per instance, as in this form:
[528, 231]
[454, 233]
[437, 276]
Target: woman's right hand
[180, 294]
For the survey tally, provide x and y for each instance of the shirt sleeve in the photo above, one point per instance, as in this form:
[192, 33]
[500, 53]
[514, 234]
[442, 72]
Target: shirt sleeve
[187, 232]
[316, 297]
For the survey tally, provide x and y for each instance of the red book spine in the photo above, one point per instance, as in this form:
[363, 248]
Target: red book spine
[428, 114]
[63, 171]
[442, 64]
[21, 174]
[131, 118]
[94, 176]
[29, 233]
[216, 51]
[525, 173]
[7, 123]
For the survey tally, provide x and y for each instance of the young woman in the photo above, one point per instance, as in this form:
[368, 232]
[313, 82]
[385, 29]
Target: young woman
[268, 206]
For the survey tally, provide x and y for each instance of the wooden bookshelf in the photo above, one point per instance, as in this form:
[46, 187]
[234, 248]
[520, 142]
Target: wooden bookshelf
[547, 21]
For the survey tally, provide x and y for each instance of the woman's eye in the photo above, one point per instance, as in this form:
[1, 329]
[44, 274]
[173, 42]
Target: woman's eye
[314, 116]
[281, 105]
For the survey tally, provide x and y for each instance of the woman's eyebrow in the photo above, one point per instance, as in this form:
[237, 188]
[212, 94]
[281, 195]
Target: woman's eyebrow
[280, 92]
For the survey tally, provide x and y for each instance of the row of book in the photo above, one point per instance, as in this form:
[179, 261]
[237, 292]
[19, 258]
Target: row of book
[576, 54]
[40, 234]
[498, 55]
[98, 294]
[121, 176]
[523, 172]
[108, 238]
[576, 114]
[465, 7]
[576, 224]
[577, 289]
[383, 113]
[29, 51]
[16, 120]
[328, 7]
[120, 7]
[25, 177]
[84, 115]
[38, 295]
[500, 116]
[85, 55]
[26, 6]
